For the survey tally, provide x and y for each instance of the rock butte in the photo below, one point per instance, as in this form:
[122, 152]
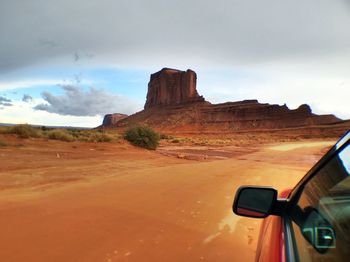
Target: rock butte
[112, 119]
[173, 104]
[172, 87]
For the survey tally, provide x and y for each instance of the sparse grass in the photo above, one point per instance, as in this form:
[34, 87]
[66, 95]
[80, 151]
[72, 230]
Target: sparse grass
[24, 131]
[3, 129]
[62, 134]
[82, 135]
[143, 136]
[100, 137]
[94, 136]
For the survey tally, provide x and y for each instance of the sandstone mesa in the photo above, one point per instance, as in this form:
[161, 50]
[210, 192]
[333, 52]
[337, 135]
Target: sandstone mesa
[173, 104]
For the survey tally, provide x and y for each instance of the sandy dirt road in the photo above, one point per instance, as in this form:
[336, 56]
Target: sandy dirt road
[112, 202]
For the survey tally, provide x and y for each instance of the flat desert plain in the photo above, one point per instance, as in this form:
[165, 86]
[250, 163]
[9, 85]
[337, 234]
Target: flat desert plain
[108, 202]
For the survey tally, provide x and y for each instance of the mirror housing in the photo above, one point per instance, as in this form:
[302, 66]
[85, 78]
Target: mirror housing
[253, 201]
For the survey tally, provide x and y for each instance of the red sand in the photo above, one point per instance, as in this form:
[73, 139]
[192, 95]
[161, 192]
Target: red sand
[113, 202]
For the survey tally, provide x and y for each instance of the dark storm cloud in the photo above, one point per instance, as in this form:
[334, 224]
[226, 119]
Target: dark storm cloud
[27, 98]
[139, 31]
[5, 101]
[77, 102]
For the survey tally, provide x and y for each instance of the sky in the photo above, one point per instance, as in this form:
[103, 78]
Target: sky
[70, 62]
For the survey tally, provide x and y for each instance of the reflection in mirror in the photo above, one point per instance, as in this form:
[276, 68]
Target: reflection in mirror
[317, 230]
[254, 201]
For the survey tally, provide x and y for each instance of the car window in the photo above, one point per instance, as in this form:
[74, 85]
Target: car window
[321, 217]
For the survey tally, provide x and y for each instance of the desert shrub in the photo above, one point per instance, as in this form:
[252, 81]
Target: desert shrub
[142, 136]
[4, 129]
[68, 135]
[92, 135]
[75, 133]
[100, 137]
[60, 134]
[24, 131]
[175, 141]
[2, 144]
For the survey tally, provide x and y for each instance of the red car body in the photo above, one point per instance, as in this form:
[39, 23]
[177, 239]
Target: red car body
[271, 238]
[310, 222]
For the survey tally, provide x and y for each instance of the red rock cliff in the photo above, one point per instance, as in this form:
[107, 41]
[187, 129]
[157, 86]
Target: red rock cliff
[112, 119]
[172, 87]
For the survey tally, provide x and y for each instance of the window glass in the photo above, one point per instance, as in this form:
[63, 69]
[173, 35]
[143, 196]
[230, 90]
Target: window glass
[321, 218]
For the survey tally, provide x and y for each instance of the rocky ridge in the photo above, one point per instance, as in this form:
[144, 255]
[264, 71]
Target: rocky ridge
[173, 104]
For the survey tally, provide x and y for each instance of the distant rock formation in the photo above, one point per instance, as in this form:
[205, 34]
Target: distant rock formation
[226, 117]
[172, 87]
[112, 119]
[173, 104]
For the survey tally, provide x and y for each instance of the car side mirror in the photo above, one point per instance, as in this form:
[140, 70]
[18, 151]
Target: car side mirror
[257, 202]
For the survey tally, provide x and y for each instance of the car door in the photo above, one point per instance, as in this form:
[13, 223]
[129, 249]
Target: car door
[318, 214]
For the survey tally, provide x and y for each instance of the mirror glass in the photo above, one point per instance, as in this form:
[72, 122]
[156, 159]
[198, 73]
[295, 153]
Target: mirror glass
[255, 202]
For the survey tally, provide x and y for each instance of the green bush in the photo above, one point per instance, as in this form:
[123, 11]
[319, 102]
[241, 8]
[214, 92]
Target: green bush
[142, 136]
[60, 134]
[24, 131]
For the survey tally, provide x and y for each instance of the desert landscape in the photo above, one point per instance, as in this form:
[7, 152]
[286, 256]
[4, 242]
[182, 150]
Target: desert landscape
[81, 201]
[96, 197]
[126, 128]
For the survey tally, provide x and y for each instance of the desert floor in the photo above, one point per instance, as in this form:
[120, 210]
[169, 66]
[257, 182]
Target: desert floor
[80, 201]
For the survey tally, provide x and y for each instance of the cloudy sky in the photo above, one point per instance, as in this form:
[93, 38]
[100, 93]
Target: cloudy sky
[69, 62]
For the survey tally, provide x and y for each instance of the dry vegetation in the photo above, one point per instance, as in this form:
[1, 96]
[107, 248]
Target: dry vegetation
[141, 136]
[150, 139]
[62, 134]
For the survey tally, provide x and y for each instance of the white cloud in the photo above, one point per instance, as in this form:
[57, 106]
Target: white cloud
[12, 85]
[77, 102]
[22, 112]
